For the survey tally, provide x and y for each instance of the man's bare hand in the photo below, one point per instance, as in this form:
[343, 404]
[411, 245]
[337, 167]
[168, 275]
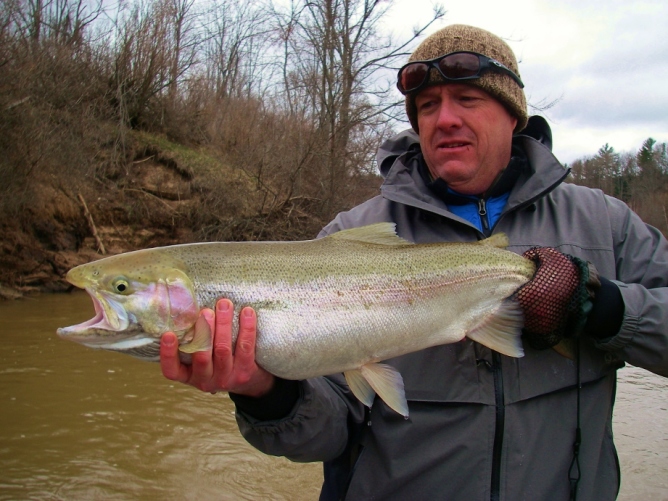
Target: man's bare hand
[222, 369]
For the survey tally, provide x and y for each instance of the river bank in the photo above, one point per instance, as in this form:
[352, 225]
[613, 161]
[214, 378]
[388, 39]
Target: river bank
[161, 193]
[58, 219]
[63, 229]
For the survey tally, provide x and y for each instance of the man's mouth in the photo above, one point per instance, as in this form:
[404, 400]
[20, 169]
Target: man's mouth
[452, 146]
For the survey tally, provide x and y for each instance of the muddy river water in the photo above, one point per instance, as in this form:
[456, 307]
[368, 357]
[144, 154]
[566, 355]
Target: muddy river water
[76, 423]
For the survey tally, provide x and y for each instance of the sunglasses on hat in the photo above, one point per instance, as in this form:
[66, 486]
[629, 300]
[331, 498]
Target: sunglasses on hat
[455, 66]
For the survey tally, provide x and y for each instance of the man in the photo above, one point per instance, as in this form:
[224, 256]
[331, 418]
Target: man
[482, 425]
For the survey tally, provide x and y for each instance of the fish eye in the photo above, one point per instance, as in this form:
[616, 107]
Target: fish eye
[121, 286]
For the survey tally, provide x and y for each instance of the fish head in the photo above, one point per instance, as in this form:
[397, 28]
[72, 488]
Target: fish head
[137, 297]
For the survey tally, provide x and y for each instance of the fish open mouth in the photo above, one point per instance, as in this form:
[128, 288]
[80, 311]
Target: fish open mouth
[98, 321]
[99, 331]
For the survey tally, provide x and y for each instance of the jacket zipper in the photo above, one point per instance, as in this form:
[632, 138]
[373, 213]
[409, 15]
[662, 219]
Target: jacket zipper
[482, 212]
[495, 488]
[495, 491]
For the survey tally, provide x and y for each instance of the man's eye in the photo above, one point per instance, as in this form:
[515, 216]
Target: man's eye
[426, 105]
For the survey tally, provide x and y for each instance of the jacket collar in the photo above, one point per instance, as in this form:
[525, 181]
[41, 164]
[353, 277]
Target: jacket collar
[502, 184]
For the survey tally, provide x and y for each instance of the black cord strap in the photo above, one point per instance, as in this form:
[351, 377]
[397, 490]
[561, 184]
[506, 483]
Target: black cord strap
[574, 473]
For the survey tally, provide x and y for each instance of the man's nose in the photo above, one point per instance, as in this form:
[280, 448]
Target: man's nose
[448, 115]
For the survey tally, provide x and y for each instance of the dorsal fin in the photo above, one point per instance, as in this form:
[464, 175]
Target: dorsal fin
[379, 233]
[499, 240]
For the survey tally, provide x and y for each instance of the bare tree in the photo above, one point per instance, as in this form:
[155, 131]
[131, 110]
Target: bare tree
[141, 58]
[61, 21]
[333, 55]
[184, 41]
[233, 33]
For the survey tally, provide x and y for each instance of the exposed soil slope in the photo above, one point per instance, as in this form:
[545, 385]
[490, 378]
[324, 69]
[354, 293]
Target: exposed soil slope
[151, 201]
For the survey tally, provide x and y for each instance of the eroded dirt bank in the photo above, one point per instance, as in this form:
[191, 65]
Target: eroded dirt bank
[163, 194]
[63, 229]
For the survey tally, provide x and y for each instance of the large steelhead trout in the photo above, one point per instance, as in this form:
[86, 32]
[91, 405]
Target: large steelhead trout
[342, 303]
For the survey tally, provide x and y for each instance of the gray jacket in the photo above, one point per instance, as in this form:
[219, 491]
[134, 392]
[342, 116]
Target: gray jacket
[482, 425]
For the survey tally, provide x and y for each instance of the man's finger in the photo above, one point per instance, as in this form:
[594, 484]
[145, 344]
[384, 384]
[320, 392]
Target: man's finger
[244, 354]
[171, 365]
[222, 342]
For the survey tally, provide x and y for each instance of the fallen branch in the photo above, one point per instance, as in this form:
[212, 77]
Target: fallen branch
[91, 224]
[143, 160]
[17, 103]
[157, 196]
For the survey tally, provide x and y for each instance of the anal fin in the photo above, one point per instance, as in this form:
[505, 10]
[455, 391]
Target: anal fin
[502, 331]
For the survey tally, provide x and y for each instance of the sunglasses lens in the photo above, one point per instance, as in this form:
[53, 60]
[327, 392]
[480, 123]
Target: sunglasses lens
[455, 66]
[413, 76]
[462, 65]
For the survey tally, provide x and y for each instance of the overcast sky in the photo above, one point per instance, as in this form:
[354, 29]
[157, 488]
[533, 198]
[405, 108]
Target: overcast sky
[605, 61]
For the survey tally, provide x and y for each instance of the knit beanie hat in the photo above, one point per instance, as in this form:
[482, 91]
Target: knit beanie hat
[460, 37]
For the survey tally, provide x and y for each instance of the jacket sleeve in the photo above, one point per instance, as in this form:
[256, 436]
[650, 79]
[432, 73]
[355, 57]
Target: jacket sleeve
[641, 255]
[318, 427]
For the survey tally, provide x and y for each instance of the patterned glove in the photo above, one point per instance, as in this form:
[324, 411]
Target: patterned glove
[558, 298]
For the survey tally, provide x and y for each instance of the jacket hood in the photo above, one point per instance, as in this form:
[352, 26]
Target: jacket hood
[398, 156]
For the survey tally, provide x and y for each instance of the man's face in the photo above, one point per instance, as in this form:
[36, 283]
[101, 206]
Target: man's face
[465, 135]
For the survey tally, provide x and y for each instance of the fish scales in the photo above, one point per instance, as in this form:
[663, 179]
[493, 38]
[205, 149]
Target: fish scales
[351, 301]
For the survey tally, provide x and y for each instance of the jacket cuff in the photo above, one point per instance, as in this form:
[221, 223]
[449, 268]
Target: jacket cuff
[605, 319]
[275, 405]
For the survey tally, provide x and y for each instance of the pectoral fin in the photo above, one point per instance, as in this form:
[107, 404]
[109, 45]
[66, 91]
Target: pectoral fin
[382, 379]
[202, 339]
